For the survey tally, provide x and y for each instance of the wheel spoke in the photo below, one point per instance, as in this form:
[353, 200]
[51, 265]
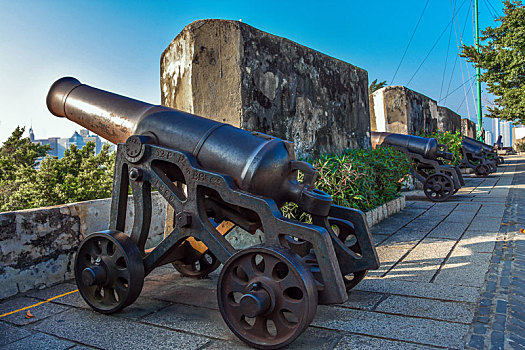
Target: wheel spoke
[296, 307]
[109, 296]
[121, 290]
[289, 281]
[281, 324]
[247, 266]
[259, 326]
[234, 284]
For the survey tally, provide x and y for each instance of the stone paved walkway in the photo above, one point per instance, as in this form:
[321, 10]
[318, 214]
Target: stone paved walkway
[452, 276]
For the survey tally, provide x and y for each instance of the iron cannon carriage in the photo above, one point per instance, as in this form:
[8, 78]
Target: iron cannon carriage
[479, 156]
[440, 181]
[215, 176]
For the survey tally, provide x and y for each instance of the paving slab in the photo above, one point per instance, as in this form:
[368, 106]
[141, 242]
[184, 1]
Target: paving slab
[485, 223]
[39, 312]
[464, 268]
[107, 332]
[204, 296]
[363, 300]
[420, 289]
[10, 333]
[428, 308]
[371, 343]
[413, 329]
[451, 230]
[192, 319]
[312, 338]
[39, 341]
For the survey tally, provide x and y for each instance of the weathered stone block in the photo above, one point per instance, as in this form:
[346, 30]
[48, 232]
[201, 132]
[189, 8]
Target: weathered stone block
[448, 120]
[468, 128]
[401, 110]
[233, 73]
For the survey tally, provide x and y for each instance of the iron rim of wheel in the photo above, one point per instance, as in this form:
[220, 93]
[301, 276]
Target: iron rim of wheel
[438, 187]
[109, 271]
[346, 234]
[266, 296]
[482, 170]
[201, 267]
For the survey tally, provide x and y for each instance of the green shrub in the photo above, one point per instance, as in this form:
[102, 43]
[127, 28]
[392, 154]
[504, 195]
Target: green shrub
[361, 178]
[453, 143]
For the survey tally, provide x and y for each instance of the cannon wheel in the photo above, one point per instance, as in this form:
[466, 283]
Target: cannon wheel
[266, 296]
[492, 167]
[109, 271]
[482, 170]
[346, 234]
[438, 187]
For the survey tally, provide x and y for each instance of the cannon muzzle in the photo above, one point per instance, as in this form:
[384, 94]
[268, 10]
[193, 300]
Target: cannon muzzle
[426, 147]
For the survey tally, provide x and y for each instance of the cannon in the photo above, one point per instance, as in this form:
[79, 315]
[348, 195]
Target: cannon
[215, 177]
[490, 152]
[478, 156]
[440, 181]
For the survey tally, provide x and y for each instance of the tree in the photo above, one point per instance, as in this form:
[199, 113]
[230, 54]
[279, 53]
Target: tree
[502, 58]
[374, 86]
[80, 175]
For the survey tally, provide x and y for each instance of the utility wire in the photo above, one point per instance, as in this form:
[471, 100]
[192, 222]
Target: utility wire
[435, 44]
[409, 42]
[465, 99]
[457, 43]
[459, 87]
[493, 12]
[446, 58]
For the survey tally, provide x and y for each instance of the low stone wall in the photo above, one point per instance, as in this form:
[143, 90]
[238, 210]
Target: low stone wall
[448, 120]
[37, 245]
[468, 128]
[236, 74]
[401, 110]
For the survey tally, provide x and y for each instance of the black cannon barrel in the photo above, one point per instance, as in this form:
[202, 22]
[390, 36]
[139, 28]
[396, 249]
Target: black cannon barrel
[258, 163]
[486, 148]
[471, 147]
[424, 146]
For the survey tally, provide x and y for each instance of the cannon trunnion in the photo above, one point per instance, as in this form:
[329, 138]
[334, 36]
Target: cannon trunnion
[215, 177]
[440, 181]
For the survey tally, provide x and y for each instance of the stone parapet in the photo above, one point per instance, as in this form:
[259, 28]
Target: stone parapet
[233, 73]
[448, 120]
[400, 110]
[468, 128]
[37, 246]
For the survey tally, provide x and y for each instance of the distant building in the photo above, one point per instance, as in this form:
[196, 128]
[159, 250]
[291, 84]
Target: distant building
[488, 137]
[59, 145]
[505, 130]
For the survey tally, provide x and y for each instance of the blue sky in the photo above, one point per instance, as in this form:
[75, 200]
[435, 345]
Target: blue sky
[116, 45]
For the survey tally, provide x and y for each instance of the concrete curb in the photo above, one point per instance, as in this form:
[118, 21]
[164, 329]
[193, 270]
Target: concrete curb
[375, 216]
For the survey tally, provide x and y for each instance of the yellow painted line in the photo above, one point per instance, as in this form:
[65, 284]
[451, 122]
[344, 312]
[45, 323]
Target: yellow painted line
[40, 303]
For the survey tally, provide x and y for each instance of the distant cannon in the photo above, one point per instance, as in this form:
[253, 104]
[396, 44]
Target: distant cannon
[478, 156]
[267, 294]
[440, 181]
[490, 151]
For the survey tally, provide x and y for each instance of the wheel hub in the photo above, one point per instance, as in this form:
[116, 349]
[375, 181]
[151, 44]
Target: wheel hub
[94, 275]
[257, 302]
